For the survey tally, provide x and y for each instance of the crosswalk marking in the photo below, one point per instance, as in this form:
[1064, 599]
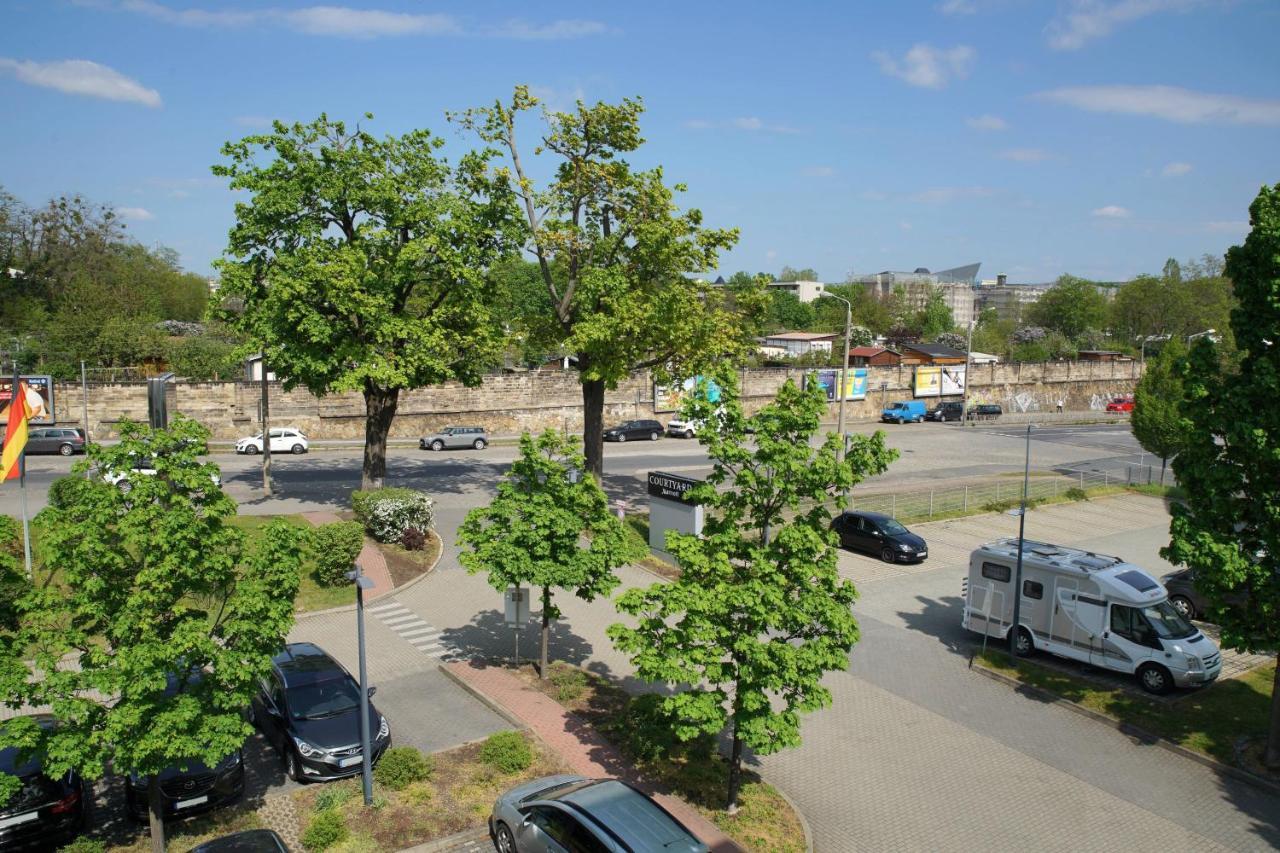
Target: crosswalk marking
[414, 630]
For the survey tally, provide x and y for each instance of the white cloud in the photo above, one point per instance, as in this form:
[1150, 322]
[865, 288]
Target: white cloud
[82, 77]
[771, 254]
[987, 122]
[1176, 170]
[817, 171]
[565, 29]
[364, 23]
[135, 214]
[1168, 102]
[927, 66]
[946, 195]
[1112, 211]
[1087, 20]
[957, 7]
[1025, 155]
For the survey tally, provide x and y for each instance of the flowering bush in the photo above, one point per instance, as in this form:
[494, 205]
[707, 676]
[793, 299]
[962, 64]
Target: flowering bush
[390, 516]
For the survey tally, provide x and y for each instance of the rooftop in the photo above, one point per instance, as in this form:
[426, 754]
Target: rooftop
[802, 336]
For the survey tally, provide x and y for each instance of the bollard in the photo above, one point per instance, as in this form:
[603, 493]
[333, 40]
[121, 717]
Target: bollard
[931, 503]
[966, 498]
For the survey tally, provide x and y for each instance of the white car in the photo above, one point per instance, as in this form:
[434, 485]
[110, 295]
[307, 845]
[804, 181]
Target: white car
[283, 440]
[683, 429]
[144, 467]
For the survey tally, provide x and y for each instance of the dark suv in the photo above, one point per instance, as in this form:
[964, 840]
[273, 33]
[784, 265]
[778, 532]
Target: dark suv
[985, 412]
[44, 812]
[651, 430]
[309, 710]
[952, 410]
[879, 534]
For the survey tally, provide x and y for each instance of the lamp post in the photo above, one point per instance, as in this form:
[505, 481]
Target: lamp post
[1017, 572]
[1209, 333]
[366, 747]
[1146, 339]
[964, 389]
[844, 373]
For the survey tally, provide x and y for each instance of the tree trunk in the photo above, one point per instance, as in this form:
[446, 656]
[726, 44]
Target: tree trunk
[593, 426]
[154, 817]
[735, 770]
[1272, 756]
[1164, 460]
[380, 409]
[546, 632]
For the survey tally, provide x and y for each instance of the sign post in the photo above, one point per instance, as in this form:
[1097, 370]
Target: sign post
[516, 602]
[670, 509]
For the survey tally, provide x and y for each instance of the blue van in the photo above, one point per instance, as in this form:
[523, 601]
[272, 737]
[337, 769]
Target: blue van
[904, 411]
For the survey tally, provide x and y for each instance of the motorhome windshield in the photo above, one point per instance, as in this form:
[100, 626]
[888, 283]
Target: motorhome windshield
[1168, 623]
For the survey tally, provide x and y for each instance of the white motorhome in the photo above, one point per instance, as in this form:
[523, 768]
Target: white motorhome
[1091, 608]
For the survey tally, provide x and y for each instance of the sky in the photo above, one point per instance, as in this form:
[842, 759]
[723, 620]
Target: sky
[1092, 137]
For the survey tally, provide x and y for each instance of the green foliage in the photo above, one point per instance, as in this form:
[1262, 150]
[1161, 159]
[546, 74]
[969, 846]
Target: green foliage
[759, 612]
[1075, 493]
[935, 317]
[649, 732]
[334, 795]
[152, 583]
[1156, 420]
[507, 752]
[788, 313]
[326, 829]
[84, 844]
[333, 550]
[401, 766]
[359, 262]
[12, 576]
[390, 516]
[64, 490]
[204, 357]
[1228, 527]
[793, 274]
[1071, 307]
[1178, 303]
[569, 682]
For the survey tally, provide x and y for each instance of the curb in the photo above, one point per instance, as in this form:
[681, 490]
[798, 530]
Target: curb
[350, 608]
[804, 821]
[448, 841]
[1130, 730]
[483, 699]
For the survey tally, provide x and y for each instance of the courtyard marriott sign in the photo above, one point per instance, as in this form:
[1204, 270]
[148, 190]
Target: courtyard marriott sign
[670, 486]
[671, 509]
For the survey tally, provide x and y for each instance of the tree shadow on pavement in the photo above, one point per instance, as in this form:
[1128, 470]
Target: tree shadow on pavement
[489, 637]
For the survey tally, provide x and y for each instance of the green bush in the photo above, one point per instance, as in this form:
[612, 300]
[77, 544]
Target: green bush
[569, 681]
[390, 517]
[11, 534]
[401, 766]
[334, 548]
[1075, 493]
[332, 796]
[62, 491]
[362, 502]
[649, 733]
[326, 829]
[507, 752]
[83, 844]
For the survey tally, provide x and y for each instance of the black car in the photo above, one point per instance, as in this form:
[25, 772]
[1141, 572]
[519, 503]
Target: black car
[45, 812]
[952, 410]
[642, 429]
[249, 841]
[55, 440]
[1191, 602]
[190, 789]
[985, 412]
[309, 710]
[881, 535]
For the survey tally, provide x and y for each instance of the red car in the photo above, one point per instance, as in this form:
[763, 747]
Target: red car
[1120, 404]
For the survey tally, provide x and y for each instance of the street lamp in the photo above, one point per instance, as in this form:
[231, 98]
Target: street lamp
[1146, 339]
[844, 373]
[366, 770]
[1017, 573]
[1209, 333]
[964, 389]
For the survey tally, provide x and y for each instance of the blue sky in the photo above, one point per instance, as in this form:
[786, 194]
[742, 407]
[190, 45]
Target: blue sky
[1096, 137]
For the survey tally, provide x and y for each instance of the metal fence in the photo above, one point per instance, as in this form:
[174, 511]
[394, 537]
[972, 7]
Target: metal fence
[998, 493]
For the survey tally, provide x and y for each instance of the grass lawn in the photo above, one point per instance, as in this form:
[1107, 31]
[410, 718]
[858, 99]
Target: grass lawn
[764, 822]
[637, 529]
[311, 596]
[1209, 720]
[182, 836]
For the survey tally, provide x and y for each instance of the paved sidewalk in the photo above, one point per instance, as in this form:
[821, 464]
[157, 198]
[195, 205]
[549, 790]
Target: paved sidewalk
[581, 747]
[372, 563]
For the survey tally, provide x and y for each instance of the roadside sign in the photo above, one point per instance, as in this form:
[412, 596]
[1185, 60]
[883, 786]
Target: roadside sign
[516, 600]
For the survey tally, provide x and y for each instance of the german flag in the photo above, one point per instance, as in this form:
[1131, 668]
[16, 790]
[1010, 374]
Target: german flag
[15, 434]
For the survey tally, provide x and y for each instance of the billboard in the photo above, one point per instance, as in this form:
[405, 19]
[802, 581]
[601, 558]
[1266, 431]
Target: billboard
[667, 398]
[855, 383]
[39, 397]
[933, 380]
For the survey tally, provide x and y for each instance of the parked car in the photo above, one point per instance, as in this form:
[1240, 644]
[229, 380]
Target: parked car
[1120, 404]
[952, 410]
[904, 411]
[985, 412]
[45, 812]
[455, 436]
[559, 813]
[283, 440]
[309, 710]
[249, 841]
[189, 789]
[55, 440]
[144, 465]
[881, 535]
[683, 429]
[643, 429]
[1191, 602]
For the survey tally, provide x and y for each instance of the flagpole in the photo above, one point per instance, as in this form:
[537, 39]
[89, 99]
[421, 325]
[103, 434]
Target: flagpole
[22, 475]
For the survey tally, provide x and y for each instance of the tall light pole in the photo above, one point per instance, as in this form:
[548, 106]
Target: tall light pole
[366, 747]
[844, 373]
[1017, 572]
[266, 429]
[964, 389]
[1209, 333]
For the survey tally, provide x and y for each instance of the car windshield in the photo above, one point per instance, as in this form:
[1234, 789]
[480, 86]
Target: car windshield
[323, 699]
[1168, 623]
[892, 527]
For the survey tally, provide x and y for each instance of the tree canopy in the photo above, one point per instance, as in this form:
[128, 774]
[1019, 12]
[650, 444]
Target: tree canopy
[1157, 421]
[1071, 307]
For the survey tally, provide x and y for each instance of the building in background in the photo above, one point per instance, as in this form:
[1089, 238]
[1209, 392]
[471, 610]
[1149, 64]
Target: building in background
[955, 284]
[874, 357]
[800, 343]
[805, 291]
[931, 354]
[1009, 301]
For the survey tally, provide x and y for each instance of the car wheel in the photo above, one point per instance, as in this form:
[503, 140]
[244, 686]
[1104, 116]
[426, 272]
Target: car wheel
[1024, 644]
[1154, 678]
[888, 555]
[504, 841]
[66, 449]
[479, 444]
[437, 445]
[622, 436]
[688, 433]
[654, 436]
[297, 450]
[252, 450]
[291, 768]
[1183, 605]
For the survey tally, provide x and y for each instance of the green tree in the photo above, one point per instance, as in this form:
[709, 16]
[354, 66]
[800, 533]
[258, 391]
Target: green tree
[614, 252]
[359, 264]
[1227, 529]
[793, 274]
[168, 619]
[548, 526]
[759, 612]
[935, 317]
[788, 313]
[1157, 422]
[1072, 306]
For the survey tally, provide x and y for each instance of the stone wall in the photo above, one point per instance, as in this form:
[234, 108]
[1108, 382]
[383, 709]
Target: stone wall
[510, 403]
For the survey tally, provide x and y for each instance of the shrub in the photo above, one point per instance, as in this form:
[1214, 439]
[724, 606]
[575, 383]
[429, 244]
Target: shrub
[332, 796]
[62, 491]
[11, 534]
[1075, 493]
[649, 732]
[401, 766]
[389, 517]
[413, 539]
[417, 795]
[362, 501]
[84, 844]
[569, 681]
[326, 829]
[334, 548]
[507, 752]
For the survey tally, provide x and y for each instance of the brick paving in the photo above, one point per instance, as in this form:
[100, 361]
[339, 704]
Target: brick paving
[372, 563]
[581, 747]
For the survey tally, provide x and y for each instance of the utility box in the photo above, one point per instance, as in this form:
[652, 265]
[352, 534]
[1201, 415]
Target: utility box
[669, 508]
[160, 390]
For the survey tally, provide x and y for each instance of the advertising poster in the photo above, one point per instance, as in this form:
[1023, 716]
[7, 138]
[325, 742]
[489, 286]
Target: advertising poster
[855, 383]
[826, 379]
[928, 381]
[39, 397]
[953, 379]
[667, 398]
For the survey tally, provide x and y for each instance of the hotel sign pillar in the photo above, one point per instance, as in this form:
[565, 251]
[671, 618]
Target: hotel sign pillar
[670, 510]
